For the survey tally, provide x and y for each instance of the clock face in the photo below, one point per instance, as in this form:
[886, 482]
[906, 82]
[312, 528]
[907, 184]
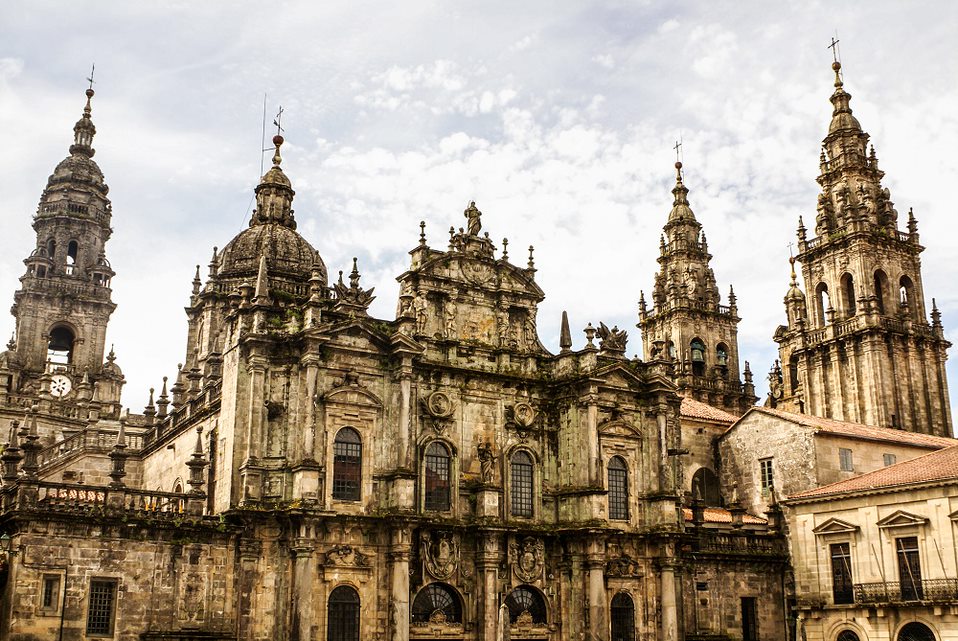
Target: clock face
[60, 385]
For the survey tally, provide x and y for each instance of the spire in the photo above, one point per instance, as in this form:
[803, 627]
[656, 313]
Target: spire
[274, 194]
[84, 130]
[565, 335]
[842, 118]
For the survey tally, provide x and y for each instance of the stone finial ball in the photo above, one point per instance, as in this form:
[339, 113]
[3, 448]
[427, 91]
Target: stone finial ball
[278, 140]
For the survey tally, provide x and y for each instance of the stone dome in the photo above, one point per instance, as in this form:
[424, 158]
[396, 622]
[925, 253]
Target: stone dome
[78, 169]
[287, 254]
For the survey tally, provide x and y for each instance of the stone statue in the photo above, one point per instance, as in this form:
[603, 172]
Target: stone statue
[529, 328]
[473, 215]
[502, 325]
[486, 461]
[612, 340]
[449, 312]
[419, 307]
[690, 282]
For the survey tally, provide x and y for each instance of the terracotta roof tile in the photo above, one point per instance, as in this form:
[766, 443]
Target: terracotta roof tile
[857, 430]
[697, 409]
[934, 466]
[721, 515]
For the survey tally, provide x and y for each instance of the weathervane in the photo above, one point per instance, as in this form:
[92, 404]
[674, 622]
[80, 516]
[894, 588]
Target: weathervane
[90, 79]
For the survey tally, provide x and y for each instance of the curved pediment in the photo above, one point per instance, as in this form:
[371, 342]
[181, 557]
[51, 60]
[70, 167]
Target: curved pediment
[620, 429]
[352, 393]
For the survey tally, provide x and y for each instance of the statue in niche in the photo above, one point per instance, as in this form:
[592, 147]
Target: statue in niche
[487, 461]
[473, 215]
[529, 328]
[419, 307]
[449, 312]
[502, 325]
[690, 282]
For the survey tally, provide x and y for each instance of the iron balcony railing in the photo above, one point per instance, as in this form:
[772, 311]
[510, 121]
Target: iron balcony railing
[927, 590]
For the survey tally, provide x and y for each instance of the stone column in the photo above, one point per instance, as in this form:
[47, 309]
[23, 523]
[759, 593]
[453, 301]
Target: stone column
[595, 578]
[252, 477]
[670, 623]
[487, 564]
[398, 559]
[303, 614]
[592, 433]
[405, 390]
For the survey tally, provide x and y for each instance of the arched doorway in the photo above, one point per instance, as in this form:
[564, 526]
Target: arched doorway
[707, 483]
[622, 617]
[915, 631]
[342, 615]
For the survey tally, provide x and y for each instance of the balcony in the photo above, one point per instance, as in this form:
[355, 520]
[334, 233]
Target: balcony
[924, 591]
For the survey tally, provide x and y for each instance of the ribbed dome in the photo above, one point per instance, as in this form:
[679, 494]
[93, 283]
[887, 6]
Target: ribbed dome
[287, 254]
[78, 169]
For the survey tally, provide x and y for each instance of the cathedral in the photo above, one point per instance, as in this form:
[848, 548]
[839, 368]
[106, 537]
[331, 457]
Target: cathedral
[314, 473]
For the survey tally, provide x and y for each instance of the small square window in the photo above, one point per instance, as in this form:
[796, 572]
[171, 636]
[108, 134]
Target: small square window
[845, 460]
[890, 459]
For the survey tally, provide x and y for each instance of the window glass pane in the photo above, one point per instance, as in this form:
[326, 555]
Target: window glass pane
[842, 589]
[766, 473]
[436, 603]
[845, 459]
[623, 618]
[343, 615]
[526, 600]
[347, 465]
[521, 485]
[618, 490]
[436, 469]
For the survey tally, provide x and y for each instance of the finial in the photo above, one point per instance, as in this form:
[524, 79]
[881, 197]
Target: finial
[212, 264]
[589, 336]
[452, 237]
[935, 314]
[12, 343]
[532, 264]
[912, 222]
[732, 299]
[111, 357]
[642, 304]
[791, 261]
[505, 249]
[354, 275]
[83, 130]
[836, 63]
[196, 281]
[261, 293]
[422, 233]
[678, 171]
[565, 335]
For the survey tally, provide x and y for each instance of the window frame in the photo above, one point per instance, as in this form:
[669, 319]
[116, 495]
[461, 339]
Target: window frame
[622, 615]
[53, 609]
[339, 485]
[344, 588]
[842, 595]
[846, 461]
[427, 505]
[518, 499]
[766, 474]
[618, 492]
[889, 459]
[114, 585]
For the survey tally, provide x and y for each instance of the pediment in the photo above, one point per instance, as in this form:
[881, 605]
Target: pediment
[835, 526]
[403, 343]
[620, 429]
[352, 393]
[619, 376]
[358, 334]
[902, 518]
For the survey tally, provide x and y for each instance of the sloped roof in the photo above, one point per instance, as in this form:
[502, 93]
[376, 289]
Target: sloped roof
[721, 515]
[859, 431]
[934, 466]
[692, 408]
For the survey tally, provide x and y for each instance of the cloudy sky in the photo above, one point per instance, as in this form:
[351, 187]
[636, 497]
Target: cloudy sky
[558, 118]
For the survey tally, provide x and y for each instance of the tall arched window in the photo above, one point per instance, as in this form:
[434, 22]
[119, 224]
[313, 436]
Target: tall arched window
[72, 250]
[526, 601]
[623, 617]
[342, 615]
[915, 631]
[347, 465]
[521, 484]
[906, 294]
[670, 346]
[881, 290]
[436, 468]
[822, 303]
[618, 489]
[51, 249]
[848, 291]
[793, 373]
[60, 348]
[437, 603]
[697, 348]
[721, 355]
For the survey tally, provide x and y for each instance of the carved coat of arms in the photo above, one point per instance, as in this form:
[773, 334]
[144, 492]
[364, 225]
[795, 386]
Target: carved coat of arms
[440, 554]
[528, 558]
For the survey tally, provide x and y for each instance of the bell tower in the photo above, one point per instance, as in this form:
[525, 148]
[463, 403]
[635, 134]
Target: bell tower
[687, 323]
[64, 301]
[860, 347]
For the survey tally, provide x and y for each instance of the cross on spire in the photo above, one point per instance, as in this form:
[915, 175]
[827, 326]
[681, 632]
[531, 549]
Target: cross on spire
[678, 149]
[278, 121]
[790, 250]
[90, 79]
[836, 52]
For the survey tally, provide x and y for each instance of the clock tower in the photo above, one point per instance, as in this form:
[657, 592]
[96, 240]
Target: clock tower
[64, 302]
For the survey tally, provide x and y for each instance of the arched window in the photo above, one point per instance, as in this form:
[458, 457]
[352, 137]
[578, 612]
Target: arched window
[881, 290]
[847, 635]
[721, 355]
[521, 481]
[915, 631]
[51, 249]
[436, 468]
[72, 250]
[437, 603]
[623, 617]
[698, 357]
[848, 291]
[347, 465]
[822, 303]
[342, 615]
[526, 602]
[60, 349]
[707, 483]
[618, 489]
[906, 294]
[670, 346]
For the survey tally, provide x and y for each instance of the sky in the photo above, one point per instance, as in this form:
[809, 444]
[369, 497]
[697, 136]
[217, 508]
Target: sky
[557, 118]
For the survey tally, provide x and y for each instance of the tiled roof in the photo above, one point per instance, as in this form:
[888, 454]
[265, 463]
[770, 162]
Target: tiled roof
[934, 466]
[857, 430]
[697, 409]
[721, 515]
